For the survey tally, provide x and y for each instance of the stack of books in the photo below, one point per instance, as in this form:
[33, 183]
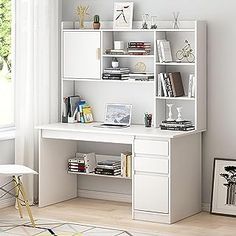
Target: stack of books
[170, 85]
[116, 74]
[108, 167]
[115, 52]
[139, 48]
[76, 165]
[82, 162]
[126, 164]
[142, 76]
[184, 125]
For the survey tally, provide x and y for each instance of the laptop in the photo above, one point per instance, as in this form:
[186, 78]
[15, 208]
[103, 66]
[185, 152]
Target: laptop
[117, 115]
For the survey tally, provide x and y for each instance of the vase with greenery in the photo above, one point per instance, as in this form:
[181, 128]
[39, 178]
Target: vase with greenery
[82, 12]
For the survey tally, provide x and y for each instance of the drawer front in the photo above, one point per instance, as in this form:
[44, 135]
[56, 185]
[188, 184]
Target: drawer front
[148, 164]
[151, 147]
[151, 193]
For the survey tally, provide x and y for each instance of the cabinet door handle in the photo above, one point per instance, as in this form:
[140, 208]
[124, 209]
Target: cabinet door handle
[98, 53]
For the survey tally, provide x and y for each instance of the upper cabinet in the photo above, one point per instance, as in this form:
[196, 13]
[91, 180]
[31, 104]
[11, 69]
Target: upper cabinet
[81, 55]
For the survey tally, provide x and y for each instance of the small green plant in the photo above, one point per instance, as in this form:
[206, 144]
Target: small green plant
[96, 19]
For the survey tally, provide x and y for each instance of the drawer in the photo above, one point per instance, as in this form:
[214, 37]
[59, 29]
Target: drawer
[151, 147]
[151, 193]
[154, 165]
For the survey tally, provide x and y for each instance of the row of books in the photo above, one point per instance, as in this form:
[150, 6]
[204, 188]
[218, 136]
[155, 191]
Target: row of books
[170, 85]
[87, 163]
[139, 48]
[174, 125]
[116, 74]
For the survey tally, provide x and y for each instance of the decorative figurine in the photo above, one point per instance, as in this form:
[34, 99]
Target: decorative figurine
[170, 112]
[145, 18]
[114, 63]
[186, 52]
[148, 119]
[140, 67]
[176, 20]
[179, 109]
[154, 22]
[82, 12]
[96, 22]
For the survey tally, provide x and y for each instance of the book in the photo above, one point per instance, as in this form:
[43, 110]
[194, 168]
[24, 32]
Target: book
[123, 165]
[164, 86]
[191, 86]
[129, 165]
[165, 51]
[160, 91]
[160, 57]
[109, 162]
[87, 114]
[177, 84]
[189, 128]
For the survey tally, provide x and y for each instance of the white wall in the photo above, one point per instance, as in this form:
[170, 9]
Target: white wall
[7, 150]
[219, 140]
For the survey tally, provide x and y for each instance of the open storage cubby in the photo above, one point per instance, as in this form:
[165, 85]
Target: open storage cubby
[82, 72]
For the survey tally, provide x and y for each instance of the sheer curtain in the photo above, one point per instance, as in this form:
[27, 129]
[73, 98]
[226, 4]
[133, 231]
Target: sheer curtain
[36, 77]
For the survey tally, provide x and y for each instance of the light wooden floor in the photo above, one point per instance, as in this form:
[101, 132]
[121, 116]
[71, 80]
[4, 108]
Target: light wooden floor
[118, 215]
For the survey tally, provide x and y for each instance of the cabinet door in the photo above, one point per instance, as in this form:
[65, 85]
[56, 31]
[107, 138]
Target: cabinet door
[151, 193]
[82, 55]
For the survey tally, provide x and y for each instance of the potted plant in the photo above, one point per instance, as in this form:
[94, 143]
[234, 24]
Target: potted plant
[96, 22]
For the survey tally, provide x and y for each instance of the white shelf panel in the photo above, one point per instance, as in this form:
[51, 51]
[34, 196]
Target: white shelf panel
[176, 98]
[127, 56]
[96, 175]
[109, 81]
[175, 64]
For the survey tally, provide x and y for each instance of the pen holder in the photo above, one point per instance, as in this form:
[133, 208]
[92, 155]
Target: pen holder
[148, 120]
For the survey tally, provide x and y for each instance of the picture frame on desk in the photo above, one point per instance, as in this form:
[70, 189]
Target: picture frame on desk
[123, 15]
[223, 199]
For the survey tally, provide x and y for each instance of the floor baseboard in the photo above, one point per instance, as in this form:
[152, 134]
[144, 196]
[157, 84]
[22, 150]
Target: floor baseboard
[206, 207]
[104, 195]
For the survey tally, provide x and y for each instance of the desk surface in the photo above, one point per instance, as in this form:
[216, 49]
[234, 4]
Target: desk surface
[133, 130]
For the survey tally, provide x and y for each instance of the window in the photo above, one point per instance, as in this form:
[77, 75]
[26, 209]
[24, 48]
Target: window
[6, 77]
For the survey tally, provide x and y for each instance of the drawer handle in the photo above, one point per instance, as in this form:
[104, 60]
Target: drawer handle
[98, 53]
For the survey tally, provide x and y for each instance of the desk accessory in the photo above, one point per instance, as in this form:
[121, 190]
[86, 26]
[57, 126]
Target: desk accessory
[96, 22]
[70, 109]
[148, 119]
[123, 15]
[170, 112]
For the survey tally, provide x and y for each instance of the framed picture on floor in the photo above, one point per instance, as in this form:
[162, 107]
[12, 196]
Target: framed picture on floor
[123, 15]
[223, 199]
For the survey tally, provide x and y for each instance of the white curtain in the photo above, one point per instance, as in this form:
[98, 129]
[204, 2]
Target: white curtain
[36, 78]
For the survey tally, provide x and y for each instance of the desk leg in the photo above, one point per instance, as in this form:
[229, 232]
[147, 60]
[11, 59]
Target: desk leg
[55, 184]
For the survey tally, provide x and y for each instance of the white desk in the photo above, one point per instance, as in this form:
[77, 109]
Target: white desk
[166, 171]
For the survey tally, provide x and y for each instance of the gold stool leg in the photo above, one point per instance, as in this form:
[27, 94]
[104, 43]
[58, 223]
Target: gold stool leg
[21, 188]
[17, 189]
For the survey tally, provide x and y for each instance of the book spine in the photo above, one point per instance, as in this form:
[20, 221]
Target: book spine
[163, 84]
[123, 165]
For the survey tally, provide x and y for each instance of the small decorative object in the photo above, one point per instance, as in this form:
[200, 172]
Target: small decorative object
[119, 45]
[148, 119]
[82, 12]
[140, 67]
[154, 22]
[179, 109]
[123, 15]
[224, 187]
[176, 20]
[186, 53]
[96, 22]
[145, 18]
[170, 112]
[114, 62]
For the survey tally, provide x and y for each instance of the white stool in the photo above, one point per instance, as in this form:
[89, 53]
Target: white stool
[16, 171]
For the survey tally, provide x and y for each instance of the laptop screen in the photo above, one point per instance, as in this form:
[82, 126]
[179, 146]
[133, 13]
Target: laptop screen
[118, 114]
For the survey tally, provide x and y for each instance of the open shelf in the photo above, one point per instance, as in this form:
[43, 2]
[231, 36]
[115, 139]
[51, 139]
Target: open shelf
[110, 81]
[176, 98]
[96, 175]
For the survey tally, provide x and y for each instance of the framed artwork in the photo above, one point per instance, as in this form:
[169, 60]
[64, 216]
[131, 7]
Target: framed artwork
[123, 15]
[223, 199]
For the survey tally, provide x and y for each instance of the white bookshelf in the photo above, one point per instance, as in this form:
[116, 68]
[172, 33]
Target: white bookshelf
[90, 87]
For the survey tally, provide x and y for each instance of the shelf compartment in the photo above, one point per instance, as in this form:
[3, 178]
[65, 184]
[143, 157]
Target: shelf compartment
[96, 175]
